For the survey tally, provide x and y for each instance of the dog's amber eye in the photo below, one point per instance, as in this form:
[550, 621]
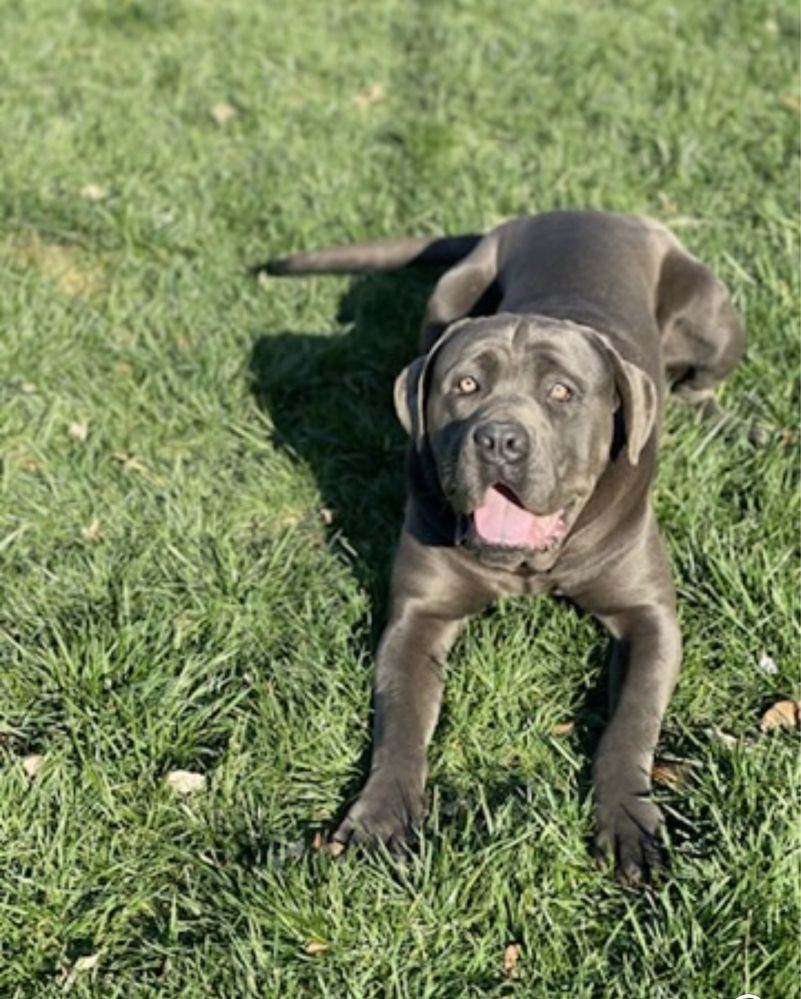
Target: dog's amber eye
[560, 393]
[467, 385]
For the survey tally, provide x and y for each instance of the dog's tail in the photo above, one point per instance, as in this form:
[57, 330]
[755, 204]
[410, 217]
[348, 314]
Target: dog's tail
[379, 255]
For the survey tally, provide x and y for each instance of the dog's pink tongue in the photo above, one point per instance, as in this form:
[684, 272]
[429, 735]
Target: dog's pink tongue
[500, 521]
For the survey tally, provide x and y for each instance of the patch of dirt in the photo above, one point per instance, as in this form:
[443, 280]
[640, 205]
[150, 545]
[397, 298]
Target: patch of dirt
[68, 266]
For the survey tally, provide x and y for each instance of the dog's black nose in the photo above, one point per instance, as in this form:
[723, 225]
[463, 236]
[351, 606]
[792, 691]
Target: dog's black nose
[501, 441]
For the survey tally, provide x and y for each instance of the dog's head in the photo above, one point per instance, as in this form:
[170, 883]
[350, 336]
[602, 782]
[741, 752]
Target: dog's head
[519, 415]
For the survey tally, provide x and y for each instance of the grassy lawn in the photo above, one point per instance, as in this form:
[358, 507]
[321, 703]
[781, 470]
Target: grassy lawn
[201, 489]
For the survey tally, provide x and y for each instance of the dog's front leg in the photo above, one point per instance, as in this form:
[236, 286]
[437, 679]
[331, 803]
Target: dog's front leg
[636, 602]
[426, 617]
[407, 695]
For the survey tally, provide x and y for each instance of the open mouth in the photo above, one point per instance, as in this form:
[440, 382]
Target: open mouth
[502, 521]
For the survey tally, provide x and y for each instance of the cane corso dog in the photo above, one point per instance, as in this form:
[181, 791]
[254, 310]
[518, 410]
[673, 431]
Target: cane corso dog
[534, 411]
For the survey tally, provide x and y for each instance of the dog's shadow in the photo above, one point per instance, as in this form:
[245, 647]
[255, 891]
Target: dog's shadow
[329, 399]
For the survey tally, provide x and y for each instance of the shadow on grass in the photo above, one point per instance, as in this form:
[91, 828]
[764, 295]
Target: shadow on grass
[329, 397]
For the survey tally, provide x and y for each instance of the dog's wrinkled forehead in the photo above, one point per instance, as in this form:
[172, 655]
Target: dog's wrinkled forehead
[516, 340]
[522, 347]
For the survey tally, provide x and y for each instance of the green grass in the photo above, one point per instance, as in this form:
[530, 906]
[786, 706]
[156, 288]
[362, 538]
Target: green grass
[172, 596]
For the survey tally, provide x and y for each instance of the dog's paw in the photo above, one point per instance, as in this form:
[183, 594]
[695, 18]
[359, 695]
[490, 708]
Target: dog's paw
[388, 812]
[630, 833]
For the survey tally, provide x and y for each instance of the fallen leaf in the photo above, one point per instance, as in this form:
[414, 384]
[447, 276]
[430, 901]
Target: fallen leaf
[83, 964]
[668, 773]
[335, 848]
[563, 728]
[369, 96]
[94, 192]
[318, 842]
[315, 947]
[86, 963]
[92, 531]
[782, 714]
[511, 956]
[326, 515]
[131, 463]
[128, 461]
[78, 430]
[32, 764]
[186, 781]
[223, 112]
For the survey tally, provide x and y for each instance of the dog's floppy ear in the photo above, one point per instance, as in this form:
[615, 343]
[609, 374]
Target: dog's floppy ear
[638, 398]
[639, 401]
[409, 402]
[410, 387]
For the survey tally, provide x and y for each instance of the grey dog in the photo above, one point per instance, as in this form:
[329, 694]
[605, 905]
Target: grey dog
[534, 411]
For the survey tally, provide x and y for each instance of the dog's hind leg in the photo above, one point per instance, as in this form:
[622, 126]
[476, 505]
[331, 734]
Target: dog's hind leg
[460, 291]
[703, 338]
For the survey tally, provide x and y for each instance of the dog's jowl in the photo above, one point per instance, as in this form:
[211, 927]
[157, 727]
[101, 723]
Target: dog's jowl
[534, 413]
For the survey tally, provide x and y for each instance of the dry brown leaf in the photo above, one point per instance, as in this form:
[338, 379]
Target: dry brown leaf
[223, 112]
[318, 842]
[92, 531]
[315, 947]
[782, 714]
[511, 956]
[668, 773]
[335, 848]
[78, 430]
[186, 781]
[32, 764]
[369, 96]
[563, 728]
